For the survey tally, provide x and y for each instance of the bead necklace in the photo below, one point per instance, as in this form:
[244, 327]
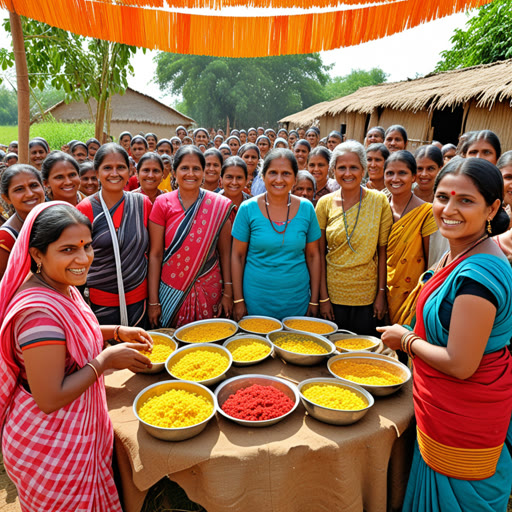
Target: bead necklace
[287, 216]
[349, 237]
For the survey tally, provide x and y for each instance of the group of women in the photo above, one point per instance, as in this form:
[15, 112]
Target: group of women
[345, 234]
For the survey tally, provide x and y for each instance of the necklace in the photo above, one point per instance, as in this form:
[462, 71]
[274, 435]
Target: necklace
[287, 216]
[406, 206]
[349, 236]
[443, 262]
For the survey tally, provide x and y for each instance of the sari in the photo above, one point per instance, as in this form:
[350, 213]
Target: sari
[462, 460]
[191, 281]
[406, 260]
[59, 461]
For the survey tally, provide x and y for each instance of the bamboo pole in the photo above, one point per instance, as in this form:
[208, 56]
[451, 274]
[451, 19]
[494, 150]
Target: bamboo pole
[20, 59]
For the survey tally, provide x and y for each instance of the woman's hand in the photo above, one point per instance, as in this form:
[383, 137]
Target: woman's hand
[225, 307]
[239, 311]
[312, 310]
[326, 311]
[123, 356]
[392, 335]
[154, 313]
[135, 335]
[380, 306]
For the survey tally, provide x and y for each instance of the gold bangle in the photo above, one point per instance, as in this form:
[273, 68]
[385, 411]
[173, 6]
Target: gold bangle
[94, 369]
[324, 300]
[314, 304]
[238, 301]
[116, 334]
[154, 304]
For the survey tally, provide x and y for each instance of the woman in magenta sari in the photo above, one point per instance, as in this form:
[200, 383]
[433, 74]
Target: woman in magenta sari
[57, 437]
[462, 368]
[189, 275]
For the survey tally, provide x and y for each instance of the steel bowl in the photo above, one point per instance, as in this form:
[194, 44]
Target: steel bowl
[342, 336]
[158, 367]
[179, 332]
[231, 386]
[332, 325]
[250, 337]
[280, 328]
[176, 356]
[334, 416]
[301, 359]
[173, 434]
[370, 357]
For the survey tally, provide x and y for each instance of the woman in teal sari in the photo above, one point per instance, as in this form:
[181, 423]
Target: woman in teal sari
[462, 368]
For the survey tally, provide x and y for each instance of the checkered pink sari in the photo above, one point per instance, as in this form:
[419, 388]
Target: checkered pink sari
[59, 461]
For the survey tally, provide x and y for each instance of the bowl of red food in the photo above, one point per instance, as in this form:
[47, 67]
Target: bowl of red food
[256, 400]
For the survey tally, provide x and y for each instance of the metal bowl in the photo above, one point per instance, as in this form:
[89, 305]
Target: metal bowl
[263, 318]
[176, 356]
[301, 359]
[231, 386]
[370, 357]
[341, 336]
[332, 325]
[250, 337]
[158, 367]
[334, 416]
[173, 434]
[179, 332]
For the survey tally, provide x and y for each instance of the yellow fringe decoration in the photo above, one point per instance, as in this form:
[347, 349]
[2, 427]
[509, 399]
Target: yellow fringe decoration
[142, 23]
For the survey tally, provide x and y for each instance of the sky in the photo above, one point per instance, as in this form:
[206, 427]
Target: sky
[408, 54]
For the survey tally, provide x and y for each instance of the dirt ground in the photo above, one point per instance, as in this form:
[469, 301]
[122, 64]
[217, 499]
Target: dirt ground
[8, 495]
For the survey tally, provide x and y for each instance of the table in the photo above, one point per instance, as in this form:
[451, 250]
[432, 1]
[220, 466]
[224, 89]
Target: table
[299, 464]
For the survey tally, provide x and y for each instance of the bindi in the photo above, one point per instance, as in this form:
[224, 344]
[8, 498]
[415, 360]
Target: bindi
[453, 192]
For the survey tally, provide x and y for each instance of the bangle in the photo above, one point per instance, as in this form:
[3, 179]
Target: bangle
[116, 334]
[314, 304]
[324, 300]
[154, 304]
[227, 282]
[382, 289]
[238, 301]
[94, 369]
[228, 296]
[406, 342]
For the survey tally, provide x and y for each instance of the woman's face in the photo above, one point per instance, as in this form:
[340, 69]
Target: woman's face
[506, 172]
[301, 154]
[251, 159]
[448, 155]
[138, 149]
[375, 165]
[175, 145]
[150, 176]
[279, 178]
[92, 149]
[332, 142]
[243, 138]
[190, 174]
[181, 133]
[292, 139]
[151, 143]
[394, 141]
[89, 183]
[80, 154]
[226, 153]
[263, 146]
[271, 136]
[234, 182]
[374, 136]
[63, 181]
[36, 155]
[426, 174]
[459, 209]
[348, 172]
[125, 141]
[312, 138]
[217, 142]
[24, 193]
[318, 166]
[113, 173]
[398, 178]
[234, 145]
[201, 138]
[252, 136]
[304, 188]
[164, 149]
[212, 171]
[301, 132]
[282, 134]
[482, 149]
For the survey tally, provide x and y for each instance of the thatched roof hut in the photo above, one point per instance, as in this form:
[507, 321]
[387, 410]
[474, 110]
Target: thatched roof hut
[132, 111]
[438, 106]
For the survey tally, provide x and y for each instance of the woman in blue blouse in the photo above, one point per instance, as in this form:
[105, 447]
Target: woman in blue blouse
[275, 258]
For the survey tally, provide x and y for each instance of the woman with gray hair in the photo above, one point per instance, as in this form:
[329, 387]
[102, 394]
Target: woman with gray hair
[305, 186]
[355, 223]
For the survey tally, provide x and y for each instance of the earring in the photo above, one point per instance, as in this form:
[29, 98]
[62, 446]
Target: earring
[489, 227]
[39, 265]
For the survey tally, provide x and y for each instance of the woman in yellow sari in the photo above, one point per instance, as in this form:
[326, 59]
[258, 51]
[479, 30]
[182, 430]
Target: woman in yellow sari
[408, 243]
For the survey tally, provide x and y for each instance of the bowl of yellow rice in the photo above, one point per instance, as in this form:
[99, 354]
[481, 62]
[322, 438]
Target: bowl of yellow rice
[300, 348]
[334, 402]
[206, 331]
[257, 324]
[248, 349]
[174, 410]
[310, 325]
[380, 375]
[354, 343]
[163, 347]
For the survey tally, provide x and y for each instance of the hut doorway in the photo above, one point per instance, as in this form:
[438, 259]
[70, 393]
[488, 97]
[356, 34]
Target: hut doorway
[447, 124]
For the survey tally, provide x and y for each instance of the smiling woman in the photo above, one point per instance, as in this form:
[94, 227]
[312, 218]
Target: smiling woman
[61, 177]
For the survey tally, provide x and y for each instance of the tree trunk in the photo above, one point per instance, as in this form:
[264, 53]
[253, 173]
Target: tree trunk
[20, 59]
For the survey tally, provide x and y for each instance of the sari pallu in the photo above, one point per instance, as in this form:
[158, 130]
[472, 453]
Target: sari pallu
[190, 282]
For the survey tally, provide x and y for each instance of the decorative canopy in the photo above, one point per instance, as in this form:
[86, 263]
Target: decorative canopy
[216, 27]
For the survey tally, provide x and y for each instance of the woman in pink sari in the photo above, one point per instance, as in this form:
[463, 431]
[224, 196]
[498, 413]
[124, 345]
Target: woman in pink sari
[57, 437]
[189, 276]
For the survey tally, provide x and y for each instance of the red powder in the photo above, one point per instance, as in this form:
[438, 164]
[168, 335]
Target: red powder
[257, 403]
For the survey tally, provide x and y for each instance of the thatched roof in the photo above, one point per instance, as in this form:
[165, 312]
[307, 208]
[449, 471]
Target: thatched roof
[486, 83]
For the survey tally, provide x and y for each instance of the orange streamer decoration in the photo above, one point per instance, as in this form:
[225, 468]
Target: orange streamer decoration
[147, 24]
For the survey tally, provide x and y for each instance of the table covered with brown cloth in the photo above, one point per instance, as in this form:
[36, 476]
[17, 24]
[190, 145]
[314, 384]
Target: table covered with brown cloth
[299, 464]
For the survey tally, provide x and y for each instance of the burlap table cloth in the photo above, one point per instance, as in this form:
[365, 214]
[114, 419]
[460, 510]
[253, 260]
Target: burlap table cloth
[299, 464]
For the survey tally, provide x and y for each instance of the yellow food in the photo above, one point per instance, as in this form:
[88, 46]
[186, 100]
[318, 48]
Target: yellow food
[248, 349]
[373, 373]
[205, 333]
[260, 325]
[162, 349]
[198, 365]
[335, 397]
[309, 326]
[299, 344]
[176, 408]
[354, 344]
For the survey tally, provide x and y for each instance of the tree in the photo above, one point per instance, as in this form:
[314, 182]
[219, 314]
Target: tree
[487, 38]
[343, 85]
[247, 91]
[83, 68]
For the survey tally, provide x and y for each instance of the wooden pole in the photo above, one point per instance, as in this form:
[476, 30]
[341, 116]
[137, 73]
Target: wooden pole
[20, 59]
